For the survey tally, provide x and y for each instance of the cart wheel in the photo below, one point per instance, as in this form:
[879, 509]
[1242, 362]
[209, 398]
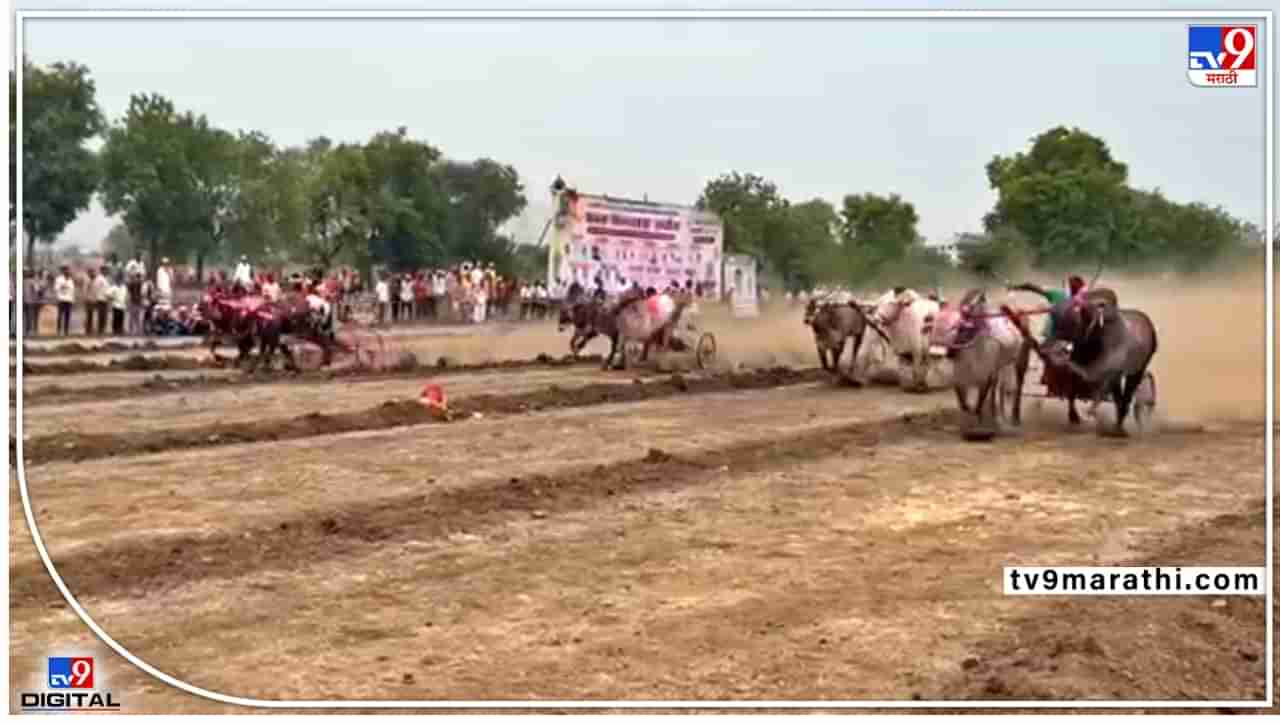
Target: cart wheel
[306, 355]
[706, 351]
[365, 345]
[1144, 401]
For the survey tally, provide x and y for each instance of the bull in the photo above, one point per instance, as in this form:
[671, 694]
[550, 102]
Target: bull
[1111, 349]
[833, 325]
[987, 352]
[902, 314]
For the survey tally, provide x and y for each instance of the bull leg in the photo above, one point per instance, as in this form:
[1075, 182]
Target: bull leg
[920, 370]
[853, 360]
[613, 349]
[962, 398]
[822, 356]
[836, 352]
[1073, 416]
[1124, 399]
[1019, 379]
[983, 392]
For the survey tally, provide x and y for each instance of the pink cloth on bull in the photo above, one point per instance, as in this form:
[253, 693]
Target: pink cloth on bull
[660, 308]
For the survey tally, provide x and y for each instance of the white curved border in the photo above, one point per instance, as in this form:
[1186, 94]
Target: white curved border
[102, 635]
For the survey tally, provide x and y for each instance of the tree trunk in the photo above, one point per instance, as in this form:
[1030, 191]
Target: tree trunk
[200, 267]
[30, 259]
[153, 248]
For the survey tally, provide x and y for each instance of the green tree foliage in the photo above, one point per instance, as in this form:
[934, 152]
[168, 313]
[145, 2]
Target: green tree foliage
[59, 173]
[877, 233]
[148, 176]
[1068, 197]
[120, 242]
[749, 207]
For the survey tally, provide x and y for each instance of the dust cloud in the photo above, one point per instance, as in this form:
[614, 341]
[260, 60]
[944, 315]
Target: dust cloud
[1210, 365]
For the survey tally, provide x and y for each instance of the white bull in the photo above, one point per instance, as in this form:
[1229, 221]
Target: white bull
[902, 316]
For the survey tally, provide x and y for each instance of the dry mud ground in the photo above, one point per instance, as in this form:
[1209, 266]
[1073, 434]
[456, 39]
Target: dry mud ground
[794, 541]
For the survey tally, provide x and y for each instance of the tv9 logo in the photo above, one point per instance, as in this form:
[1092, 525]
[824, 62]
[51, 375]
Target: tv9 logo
[70, 673]
[1222, 55]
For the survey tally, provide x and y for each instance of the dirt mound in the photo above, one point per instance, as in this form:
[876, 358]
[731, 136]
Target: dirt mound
[133, 363]
[138, 567]
[110, 347]
[79, 447]
[55, 394]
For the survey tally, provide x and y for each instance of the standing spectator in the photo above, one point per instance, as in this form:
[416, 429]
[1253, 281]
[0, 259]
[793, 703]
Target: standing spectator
[243, 276]
[406, 297]
[270, 289]
[383, 293]
[164, 284]
[13, 302]
[421, 292]
[90, 301]
[133, 292]
[100, 296]
[393, 290]
[439, 289]
[119, 302]
[481, 298]
[32, 302]
[135, 266]
[64, 291]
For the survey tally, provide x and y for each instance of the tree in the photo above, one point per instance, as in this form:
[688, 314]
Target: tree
[479, 197]
[406, 208]
[335, 189]
[150, 177]
[216, 173]
[749, 207]
[59, 174]
[119, 241]
[999, 253]
[1066, 196]
[803, 254]
[875, 231]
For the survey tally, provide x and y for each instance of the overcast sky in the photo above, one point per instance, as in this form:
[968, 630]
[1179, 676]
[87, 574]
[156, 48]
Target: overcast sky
[822, 108]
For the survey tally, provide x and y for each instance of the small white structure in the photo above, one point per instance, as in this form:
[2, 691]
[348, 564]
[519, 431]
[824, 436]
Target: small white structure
[740, 285]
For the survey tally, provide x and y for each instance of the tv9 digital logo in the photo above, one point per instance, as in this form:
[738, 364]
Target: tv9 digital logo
[1222, 55]
[70, 673]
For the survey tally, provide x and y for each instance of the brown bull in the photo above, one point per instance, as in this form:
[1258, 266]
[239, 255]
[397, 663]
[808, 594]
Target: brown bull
[833, 325]
[1111, 349]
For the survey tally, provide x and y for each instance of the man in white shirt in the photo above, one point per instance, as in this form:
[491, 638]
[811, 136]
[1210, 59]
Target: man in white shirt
[439, 290]
[135, 266]
[383, 293]
[119, 302]
[243, 276]
[64, 290]
[164, 284]
[97, 300]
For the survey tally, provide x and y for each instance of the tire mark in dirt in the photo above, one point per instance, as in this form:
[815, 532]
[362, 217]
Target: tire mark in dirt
[54, 394]
[78, 447]
[139, 568]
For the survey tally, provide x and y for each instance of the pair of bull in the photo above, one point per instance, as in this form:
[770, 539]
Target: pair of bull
[625, 321]
[899, 317]
[253, 320]
[1105, 350]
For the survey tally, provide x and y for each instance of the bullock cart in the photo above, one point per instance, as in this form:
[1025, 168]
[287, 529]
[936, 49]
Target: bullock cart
[1055, 380]
[681, 333]
[355, 341]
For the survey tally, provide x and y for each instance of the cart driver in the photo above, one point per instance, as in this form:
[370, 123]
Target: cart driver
[1075, 287]
[321, 312]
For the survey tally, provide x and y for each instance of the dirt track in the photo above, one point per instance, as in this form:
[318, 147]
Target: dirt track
[800, 541]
